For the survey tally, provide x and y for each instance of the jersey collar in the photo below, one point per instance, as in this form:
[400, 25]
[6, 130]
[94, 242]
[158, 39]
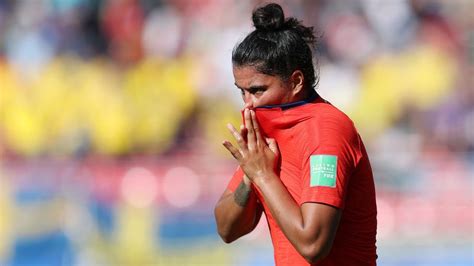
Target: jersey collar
[274, 119]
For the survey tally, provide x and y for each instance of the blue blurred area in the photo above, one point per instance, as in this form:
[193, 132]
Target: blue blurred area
[52, 248]
[188, 227]
[104, 217]
[33, 195]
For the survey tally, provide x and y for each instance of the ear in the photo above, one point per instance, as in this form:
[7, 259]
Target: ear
[297, 82]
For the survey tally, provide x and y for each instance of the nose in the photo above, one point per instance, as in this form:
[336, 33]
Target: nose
[249, 100]
[248, 105]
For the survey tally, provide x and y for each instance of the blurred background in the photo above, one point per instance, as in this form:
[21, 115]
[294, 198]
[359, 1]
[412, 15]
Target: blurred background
[112, 113]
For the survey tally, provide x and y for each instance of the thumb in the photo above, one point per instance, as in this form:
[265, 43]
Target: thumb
[272, 144]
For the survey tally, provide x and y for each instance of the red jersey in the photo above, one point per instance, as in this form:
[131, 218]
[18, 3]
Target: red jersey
[323, 160]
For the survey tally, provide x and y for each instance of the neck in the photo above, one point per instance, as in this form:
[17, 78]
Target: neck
[305, 95]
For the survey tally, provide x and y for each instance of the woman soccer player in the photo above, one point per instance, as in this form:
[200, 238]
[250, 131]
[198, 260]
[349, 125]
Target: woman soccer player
[302, 162]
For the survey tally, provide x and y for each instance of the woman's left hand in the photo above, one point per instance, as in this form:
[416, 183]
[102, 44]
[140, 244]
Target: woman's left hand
[258, 156]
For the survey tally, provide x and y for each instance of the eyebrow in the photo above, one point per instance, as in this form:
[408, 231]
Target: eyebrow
[252, 88]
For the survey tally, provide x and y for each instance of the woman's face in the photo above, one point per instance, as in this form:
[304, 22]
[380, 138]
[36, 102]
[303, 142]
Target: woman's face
[259, 89]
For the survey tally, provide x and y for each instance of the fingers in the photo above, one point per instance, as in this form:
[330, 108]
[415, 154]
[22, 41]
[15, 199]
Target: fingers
[256, 128]
[240, 140]
[251, 140]
[234, 151]
[272, 144]
[243, 132]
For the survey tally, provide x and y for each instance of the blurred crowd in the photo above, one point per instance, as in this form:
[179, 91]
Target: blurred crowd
[104, 82]
[129, 76]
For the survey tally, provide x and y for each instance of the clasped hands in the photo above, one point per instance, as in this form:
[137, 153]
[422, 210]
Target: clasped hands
[256, 155]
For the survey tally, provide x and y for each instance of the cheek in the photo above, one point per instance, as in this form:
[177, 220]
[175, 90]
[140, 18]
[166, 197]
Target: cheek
[268, 99]
[277, 97]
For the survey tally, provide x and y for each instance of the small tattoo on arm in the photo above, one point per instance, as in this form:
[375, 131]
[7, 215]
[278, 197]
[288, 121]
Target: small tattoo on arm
[242, 194]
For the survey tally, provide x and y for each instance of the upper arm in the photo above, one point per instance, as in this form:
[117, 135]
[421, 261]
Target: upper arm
[327, 169]
[329, 162]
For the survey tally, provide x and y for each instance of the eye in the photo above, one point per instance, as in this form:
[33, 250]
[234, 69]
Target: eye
[257, 91]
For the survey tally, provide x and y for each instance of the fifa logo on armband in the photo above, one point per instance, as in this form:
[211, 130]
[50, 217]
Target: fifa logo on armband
[323, 170]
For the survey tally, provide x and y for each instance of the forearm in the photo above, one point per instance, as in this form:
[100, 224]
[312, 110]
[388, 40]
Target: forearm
[237, 213]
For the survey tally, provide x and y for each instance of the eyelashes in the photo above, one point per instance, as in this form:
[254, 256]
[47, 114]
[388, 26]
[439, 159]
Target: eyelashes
[252, 91]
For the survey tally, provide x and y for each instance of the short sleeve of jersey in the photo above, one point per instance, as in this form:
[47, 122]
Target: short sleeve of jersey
[236, 179]
[329, 162]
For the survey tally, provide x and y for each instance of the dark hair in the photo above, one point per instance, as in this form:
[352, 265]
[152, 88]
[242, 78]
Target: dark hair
[278, 46]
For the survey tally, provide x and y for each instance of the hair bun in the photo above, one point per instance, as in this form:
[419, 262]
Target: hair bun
[269, 17]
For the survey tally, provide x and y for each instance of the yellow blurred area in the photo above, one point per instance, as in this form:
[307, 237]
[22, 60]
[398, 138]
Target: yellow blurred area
[199, 255]
[420, 77]
[5, 218]
[136, 246]
[75, 104]
[163, 96]
[214, 120]
[72, 101]
[427, 76]
[134, 242]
